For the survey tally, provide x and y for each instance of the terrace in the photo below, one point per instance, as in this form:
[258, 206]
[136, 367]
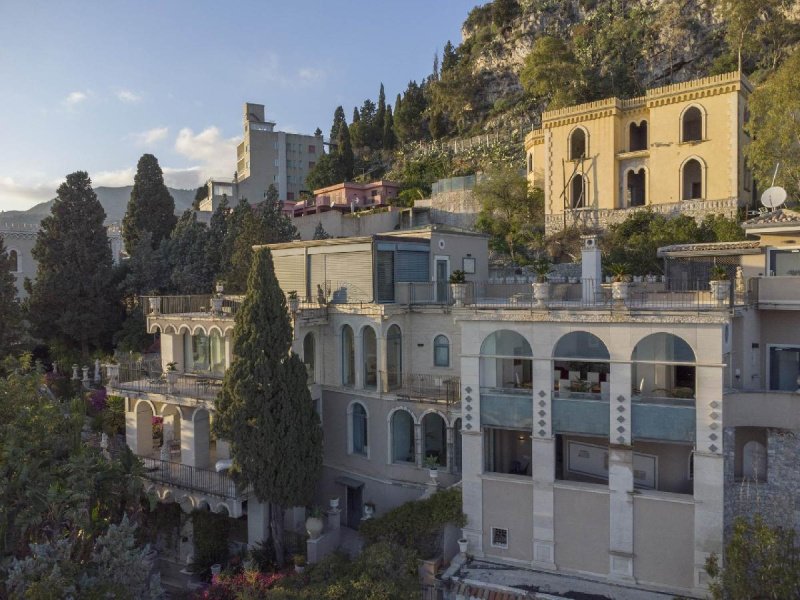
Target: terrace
[588, 294]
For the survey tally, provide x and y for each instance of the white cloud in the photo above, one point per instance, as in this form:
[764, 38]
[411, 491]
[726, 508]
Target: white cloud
[310, 75]
[215, 154]
[118, 178]
[15, 195]
[74, 98]
[128, 96]
[151, 136]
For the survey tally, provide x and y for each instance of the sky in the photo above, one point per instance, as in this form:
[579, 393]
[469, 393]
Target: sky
[93, 85]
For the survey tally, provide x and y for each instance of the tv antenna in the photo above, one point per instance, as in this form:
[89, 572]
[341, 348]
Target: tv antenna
[773, 197]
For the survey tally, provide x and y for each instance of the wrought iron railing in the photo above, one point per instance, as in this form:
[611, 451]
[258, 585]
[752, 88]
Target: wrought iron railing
[227, 306]
[149, 379]
[425, 387]
[191, 478]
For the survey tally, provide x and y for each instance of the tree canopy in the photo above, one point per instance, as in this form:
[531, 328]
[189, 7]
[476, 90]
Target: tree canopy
[70, 300]
[151, 206]
[10, 312]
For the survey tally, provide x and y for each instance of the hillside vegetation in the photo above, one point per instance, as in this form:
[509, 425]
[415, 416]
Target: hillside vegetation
[520, 57]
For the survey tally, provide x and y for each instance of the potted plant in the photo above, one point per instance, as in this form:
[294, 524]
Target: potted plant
[458, 286]
[314, 523]
[463, 545]
[620, 283]
[720, 286]
[299, 563]
[541, 289]
[432, 463]
[294, 301]
[369, 510]
[172, 374]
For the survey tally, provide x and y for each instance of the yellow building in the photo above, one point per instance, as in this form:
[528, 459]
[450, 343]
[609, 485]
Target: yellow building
[677, 149]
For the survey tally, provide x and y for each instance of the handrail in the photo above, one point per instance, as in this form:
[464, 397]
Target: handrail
[192, 478]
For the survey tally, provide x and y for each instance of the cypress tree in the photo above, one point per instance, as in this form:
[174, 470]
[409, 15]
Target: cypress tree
[70, 300]
[320, 233]
[265, 409]
[380, 114]
[344, 153]
[389, 140]
[338, 119]
[356, 115]
[151, 207]
[10, 314]
[187, 252]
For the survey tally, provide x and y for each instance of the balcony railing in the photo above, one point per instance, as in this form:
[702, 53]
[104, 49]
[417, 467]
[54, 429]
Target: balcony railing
[781, 291]
[588, 294]
[191, 478]
[149, 379]
[189, 305]
[423, 387]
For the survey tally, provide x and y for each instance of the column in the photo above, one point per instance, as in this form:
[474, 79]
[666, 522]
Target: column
[708, 472]
[620, 475]
[195, 439]
[472, 454]
[450, 450]
[139, 427]
[228, 340]
[383, 384]
[419, 447]
[358, 353]
[543, 458]
[172, 350]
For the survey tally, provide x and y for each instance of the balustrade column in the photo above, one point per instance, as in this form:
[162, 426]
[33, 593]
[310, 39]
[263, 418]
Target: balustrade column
[620, 474]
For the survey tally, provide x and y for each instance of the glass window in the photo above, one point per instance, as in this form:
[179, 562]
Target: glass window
[309, 357]
[784, 368]
[441, 351]
[692, 180]
[370, 345]
[434, 436]
[394, 357]
[13, 259]
[580, 366]
[500, 368]
[692, 130]
[577, 144]
[402, 437]
[654, 372]
[784, 262]
[507, 451]
[359, 424]
[348, 356]
[204, 354]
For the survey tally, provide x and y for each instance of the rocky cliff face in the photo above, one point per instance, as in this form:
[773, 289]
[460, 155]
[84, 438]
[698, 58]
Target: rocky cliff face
[682, 40]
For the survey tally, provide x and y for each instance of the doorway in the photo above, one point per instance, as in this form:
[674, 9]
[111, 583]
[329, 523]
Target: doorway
[442, 279]
[354, 507]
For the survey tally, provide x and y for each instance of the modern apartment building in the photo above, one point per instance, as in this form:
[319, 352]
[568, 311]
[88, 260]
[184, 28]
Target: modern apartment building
[267, 157]
[677, 149]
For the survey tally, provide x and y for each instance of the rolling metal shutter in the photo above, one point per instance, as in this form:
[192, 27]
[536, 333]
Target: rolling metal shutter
[384, 276]
[412, 266]
[350, 274]
[291, 273]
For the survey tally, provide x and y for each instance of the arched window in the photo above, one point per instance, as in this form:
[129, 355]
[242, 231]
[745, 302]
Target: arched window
[204, 354]
[402, 427]
[636, 186]
[692, 125]
[348, 356]
[434, 437]
[692, 176]
[441, 351]
[581, 366]
[394, 357]
[637, 137]
[577, 144]
[359, 440]
[663, 367]
[309, 355]
[577, 191]
[13, 261]
[530, 162]
[505, 362]
[370, 350]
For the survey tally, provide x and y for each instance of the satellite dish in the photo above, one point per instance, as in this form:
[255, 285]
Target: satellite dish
[773, 197]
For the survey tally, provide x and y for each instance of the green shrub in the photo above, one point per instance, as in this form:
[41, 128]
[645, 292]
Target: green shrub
[211, 533]
[417, 525]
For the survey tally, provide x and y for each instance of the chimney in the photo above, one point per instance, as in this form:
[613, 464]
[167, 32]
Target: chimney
[591, 269]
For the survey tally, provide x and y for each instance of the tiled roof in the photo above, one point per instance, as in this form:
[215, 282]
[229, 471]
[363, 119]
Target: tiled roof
[782, 216]
[478, 593]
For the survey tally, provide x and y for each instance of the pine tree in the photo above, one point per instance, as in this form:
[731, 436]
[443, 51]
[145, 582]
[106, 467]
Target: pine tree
[338, 119]
[151, 207]
[318, 132]
[187, 252]
[10, 313]
[344, 153]
[320, 233]
[408, 119]
[265, 409]
[217, 230]
[389, 140]
[71, 300]
[356, 115]
[449, 57]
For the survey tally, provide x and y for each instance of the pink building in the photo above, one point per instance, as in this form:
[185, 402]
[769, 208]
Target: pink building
[348, 196]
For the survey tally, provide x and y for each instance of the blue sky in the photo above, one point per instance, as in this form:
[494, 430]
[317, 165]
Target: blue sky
[92, 85]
